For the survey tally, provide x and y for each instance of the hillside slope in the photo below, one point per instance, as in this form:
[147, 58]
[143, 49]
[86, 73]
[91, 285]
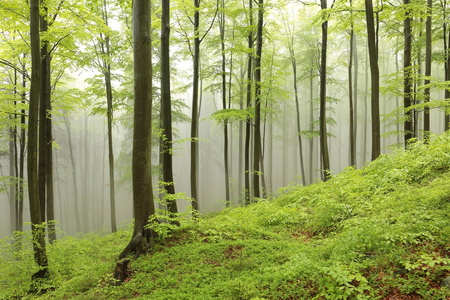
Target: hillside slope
[377, 233]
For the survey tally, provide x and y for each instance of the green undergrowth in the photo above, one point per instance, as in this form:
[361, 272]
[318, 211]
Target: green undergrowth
[381, 232]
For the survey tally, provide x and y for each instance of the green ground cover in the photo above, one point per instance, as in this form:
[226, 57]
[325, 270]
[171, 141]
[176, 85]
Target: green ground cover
[381, 232]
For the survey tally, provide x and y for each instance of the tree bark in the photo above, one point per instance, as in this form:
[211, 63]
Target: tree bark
[166, 108]
[109, 103]
[426, 119]
[257, 147]
[323, 98]
[194, 121]
[224, 102]
[407, 75]
[141, 153]
[375, 80]
[249, 103]
[350, 96]
[38, 230]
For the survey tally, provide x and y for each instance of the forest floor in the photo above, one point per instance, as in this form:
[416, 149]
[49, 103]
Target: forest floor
[382, 232]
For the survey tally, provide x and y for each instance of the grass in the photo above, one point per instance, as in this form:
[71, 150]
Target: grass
[377, 233]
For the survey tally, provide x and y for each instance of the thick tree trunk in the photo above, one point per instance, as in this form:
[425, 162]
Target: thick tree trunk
[375, 80]
[166, 108]
[323, 98]
[45, 136]
[38, 230]
[141, 155]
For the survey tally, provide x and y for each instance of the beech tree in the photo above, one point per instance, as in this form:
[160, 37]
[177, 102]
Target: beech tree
[141, 160]
[375, 79]
[38, 230]
[166, 107]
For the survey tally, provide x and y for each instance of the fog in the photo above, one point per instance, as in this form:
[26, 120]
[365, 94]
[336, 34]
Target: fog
[281, 158]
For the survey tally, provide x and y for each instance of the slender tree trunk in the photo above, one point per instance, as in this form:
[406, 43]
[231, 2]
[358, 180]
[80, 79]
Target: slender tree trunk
[85, 187]
[355, 94]
[20, 194]
[166, 109]
[426, 120]
[241, 157]
[109, 101]
[38, 230]
[12, 174]
[297, 106]
[249, 101]
[407, 75]
[446, 35]
[257, 147]
[224, 102]
[74, 176]
[375, 80]
[350, 96]
[194, 124]
[141, 154]
[323, 98]
[311, 125]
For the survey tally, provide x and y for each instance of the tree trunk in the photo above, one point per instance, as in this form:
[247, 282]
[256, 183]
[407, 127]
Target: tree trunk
[311, 124]
[249, 101]
[141, 153]
[45, 136]
[297, 106]
[257, 147]
[166, 109]
[74, 176]
[375, 80]
[355, 93]
[240, 163]
[38, 230]
[350, 96]
[407, 75]
[426, 119]
[446, 31]
[323, 98]
[109, 101]
[194, 121]
[224, 103]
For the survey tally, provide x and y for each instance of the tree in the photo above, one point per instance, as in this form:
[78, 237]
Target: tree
[249, 101]
[426, 120]
[323, 95]
[257, 147]
[166, 106]
[37, 228]
[407, 78]
[375, 79]
[141, 161]
[352, 132]
[222, 21]
[105, 49]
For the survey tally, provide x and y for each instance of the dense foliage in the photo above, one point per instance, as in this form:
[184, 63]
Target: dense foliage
[377, 233]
